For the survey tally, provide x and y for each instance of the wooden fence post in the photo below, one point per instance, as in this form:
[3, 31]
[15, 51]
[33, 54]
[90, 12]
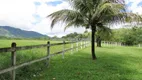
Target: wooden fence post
[63, 49]
[84, 44]
[81, 44]
[72, 48]
[48, 53]
[13, 60]
[88, 43]
[115, 43]
[107, 43]
[77, 46]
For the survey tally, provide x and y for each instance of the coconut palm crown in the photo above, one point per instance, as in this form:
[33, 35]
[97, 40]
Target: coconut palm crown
[90, 14]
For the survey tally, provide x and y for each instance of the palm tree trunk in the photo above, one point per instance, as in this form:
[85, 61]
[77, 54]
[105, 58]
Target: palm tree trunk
[93, 45]
[100, 45]
[98, 41]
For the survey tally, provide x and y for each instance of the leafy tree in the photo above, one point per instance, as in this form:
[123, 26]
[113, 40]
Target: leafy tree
[128, 36]
[137, 32]
[77, 36]
[91, 14]
[54, 37]
[71, 36]
[104, 33]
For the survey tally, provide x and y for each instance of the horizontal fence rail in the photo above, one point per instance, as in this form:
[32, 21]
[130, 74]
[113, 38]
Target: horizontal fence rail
[9, 49]
[14, 48]
[110, 43]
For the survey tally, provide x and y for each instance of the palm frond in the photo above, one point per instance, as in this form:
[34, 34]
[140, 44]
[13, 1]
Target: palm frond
[88, 13]
[66, 16]
[109, 10]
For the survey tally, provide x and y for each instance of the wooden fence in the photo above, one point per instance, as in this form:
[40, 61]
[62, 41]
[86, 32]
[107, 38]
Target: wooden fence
[14, 48]
[108, 43]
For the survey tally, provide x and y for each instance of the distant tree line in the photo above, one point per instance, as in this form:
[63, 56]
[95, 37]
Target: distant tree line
[77, 36]
[127, 36]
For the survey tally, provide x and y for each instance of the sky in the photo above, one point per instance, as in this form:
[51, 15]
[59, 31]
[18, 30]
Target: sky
[32, 15]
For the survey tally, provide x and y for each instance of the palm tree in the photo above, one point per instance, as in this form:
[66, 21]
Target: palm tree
[90, 14]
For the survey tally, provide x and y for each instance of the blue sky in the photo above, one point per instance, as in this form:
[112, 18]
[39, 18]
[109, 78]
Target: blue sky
[31, 14]
[38, 17]
[54, 3]
[140, 4]
[129, 4]
[37, 3]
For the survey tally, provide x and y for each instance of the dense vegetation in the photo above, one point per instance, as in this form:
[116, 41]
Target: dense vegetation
[128, 36]
[77, 36]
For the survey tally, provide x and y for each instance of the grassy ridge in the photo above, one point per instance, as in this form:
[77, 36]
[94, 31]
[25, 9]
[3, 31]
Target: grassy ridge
[113, 63]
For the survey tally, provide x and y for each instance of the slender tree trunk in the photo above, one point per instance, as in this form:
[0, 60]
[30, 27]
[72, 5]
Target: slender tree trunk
[93, 45]
[98, 41]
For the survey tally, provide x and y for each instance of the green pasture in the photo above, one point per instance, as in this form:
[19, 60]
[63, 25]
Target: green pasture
[7, 43]
[113, 63]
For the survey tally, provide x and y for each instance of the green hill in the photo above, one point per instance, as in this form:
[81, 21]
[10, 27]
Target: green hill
[7, 31]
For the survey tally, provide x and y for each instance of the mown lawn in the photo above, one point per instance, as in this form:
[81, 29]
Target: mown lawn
[113, 63]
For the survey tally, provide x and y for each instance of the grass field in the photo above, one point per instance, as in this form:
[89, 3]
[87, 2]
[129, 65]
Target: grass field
[25, 56]
[7, 43]
[113, 63]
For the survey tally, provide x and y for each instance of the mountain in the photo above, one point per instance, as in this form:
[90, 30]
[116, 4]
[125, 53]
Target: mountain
[8, 31]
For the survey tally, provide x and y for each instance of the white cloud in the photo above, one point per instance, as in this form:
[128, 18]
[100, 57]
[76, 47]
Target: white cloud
[19, 14]
[44, 26]
[16, 13]
[134, 7]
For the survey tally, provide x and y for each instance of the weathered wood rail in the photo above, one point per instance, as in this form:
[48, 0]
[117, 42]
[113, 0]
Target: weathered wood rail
[14, 48]
[111, 43]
